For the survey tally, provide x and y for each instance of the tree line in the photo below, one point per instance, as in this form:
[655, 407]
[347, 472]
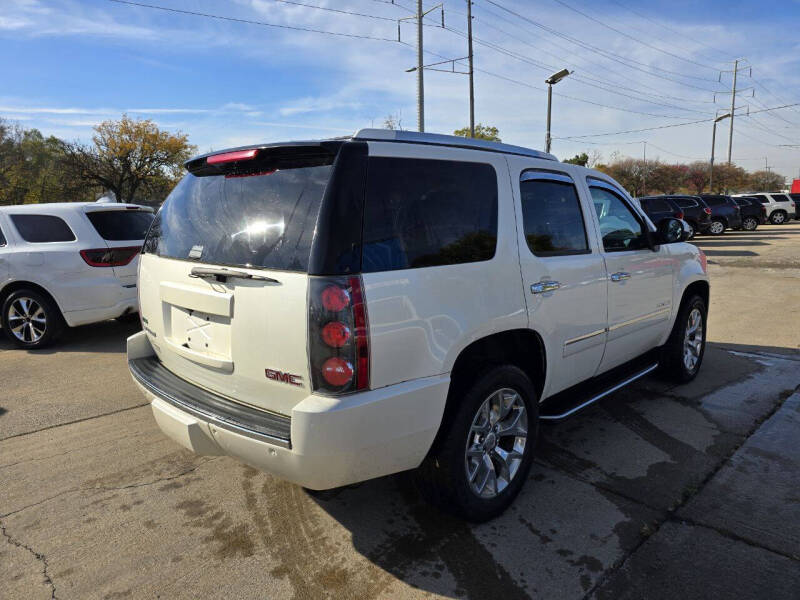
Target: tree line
[137, 162]
[130, 158]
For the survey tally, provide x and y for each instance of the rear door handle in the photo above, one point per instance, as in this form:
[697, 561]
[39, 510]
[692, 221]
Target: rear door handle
[544, 286]
[621, 276]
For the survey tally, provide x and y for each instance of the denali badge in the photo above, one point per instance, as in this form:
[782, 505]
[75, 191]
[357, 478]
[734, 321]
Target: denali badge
[283, 377]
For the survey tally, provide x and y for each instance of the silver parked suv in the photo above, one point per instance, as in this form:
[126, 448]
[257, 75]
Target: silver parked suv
[780, 207]
[333, 311]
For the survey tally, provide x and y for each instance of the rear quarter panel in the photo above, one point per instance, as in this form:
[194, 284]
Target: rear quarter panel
[421, 319]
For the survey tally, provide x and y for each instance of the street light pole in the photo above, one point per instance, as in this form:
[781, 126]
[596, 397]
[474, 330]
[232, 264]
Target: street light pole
[420, 76]
[551, 81]
[713, 144]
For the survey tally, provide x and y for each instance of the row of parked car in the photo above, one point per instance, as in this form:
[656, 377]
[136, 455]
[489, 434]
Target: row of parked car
[714, 213]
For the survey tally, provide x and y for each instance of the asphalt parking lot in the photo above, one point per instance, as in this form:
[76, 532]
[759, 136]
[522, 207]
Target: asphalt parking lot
[659, 491]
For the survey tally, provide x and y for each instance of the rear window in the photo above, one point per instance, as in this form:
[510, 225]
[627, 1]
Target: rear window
[265, 220]
[2, 238]
[424, 213]
[118, 225]
[41, 229]
[742, 201]
[716, 201]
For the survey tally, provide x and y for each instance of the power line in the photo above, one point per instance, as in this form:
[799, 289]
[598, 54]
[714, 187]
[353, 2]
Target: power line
[610, 55]
[670, 29]
[252, 22]
[632, 37]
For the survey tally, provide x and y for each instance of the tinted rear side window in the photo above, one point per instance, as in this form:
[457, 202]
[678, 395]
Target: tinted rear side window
[552, 217]
[656, 205]
[2, 238]
[264, 220]
[686, 202]
[715, 201]
[424, 213]
[117, 225]
[40, 229]
[780, 197]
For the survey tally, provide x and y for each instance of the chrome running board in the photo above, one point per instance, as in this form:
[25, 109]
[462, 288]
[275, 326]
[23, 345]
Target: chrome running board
[601, 395]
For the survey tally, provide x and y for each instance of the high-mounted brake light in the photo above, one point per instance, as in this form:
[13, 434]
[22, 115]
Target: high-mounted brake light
[235, 156]
[338, 332]
[110, 257]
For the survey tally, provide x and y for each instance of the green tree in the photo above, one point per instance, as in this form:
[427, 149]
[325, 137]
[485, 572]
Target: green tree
[581, 159]
[132, 158]
[482, 132]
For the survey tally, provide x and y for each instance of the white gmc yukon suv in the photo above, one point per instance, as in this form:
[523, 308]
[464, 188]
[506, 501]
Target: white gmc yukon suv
[333, 311]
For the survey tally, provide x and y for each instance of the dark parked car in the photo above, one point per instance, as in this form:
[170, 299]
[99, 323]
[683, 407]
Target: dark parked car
[696, 212]
[796, 198]
[753, 212]
[725, 213]
[659, 207]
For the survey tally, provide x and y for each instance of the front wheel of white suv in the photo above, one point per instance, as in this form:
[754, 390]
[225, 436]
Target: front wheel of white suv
[683, 353]
[483, 458]
[30, 319]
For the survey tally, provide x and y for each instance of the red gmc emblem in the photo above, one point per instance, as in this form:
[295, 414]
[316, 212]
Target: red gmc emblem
[283, 377]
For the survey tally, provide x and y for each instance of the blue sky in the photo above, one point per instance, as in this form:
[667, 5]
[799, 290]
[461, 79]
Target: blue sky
[71, 64]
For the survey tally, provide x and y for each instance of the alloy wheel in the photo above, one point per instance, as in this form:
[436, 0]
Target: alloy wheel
[778, 218]
[27, 320]
[496, 443]
[716, 227]
[750, 224]
[693, 340]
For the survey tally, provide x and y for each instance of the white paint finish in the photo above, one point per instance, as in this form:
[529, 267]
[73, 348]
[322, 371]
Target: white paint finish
[84, 294]
[268, 329]
[335, 441]
[579, 307]
[421, 319]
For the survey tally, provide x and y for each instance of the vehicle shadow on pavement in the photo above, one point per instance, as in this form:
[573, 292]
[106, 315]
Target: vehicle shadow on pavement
[602, 483]
[103, 337]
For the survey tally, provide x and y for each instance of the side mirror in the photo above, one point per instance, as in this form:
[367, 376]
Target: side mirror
[670, 231]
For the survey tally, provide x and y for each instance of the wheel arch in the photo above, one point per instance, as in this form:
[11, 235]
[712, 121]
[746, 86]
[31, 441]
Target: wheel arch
[523, 348]
[14, 286]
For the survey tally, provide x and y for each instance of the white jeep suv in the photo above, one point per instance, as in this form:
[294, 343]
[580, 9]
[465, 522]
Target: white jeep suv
[334, 311]
[67, 263]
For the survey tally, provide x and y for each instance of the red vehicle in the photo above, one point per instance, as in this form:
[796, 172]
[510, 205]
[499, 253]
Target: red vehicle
[796, 186]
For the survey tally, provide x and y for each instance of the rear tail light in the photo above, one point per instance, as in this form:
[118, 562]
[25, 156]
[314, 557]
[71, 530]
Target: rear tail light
[679, 215]
[110, 257]
[707, 210]
[338, 332]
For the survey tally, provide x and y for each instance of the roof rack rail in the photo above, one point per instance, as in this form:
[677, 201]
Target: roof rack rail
[436, 139]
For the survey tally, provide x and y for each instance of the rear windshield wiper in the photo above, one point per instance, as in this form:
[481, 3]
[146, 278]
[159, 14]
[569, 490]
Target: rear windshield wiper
[222, 275]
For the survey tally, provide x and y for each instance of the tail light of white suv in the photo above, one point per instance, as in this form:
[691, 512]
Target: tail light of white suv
[338, 332]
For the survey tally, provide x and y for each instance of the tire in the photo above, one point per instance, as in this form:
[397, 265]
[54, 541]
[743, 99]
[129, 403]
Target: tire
[443, 478]
[31, 320]
[717, 227]
[749, 223]
[778, 217]
[682, 355]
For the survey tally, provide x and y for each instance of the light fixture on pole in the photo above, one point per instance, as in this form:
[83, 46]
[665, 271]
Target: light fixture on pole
[713, 143]
[551, 81]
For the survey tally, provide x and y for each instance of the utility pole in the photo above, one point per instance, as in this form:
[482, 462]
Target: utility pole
[733, 109]
[471, 72]
[421, 79]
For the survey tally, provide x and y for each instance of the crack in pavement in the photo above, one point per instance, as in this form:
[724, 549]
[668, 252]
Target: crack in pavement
[669, 514]
[40, 557]
[113, 412]
[112, 488]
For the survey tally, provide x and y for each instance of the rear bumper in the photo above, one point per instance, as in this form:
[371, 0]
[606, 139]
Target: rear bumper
[325, 443]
